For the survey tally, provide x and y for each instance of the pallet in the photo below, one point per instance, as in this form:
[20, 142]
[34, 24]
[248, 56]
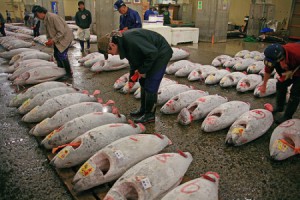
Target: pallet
[96, 193]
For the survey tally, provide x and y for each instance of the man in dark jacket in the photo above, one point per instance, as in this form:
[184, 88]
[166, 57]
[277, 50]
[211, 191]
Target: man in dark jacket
[129, 18]
[148, 13]
[285, 59]
[2, 25]
[148, 54]
[83, 20]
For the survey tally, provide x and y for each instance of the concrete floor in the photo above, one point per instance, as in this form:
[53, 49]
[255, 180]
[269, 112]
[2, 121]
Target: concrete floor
[246, 172]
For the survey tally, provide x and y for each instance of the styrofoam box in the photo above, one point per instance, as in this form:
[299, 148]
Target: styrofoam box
[186, 34]
[165, 31]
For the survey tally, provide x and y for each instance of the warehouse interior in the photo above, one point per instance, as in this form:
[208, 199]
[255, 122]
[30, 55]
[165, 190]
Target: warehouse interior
[205, 29]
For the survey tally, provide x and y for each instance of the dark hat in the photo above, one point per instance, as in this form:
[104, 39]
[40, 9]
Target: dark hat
[274, 53]
[118, 4]
[80, 2]
[103, 42]
[39, 9]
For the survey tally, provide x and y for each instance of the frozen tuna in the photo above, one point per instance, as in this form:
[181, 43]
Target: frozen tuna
[179, 54]
[51, 106]
[89, 56]
[270, 89]
[167, 92]
[40, 75]
[32, 55]
[174, 67]
[120, 82]
[201, 72]
[200, 108]
[285, 140]
[185, 71]
[259, 57]
[203, 188]
[121, 155]
[12, 53]
[92, 141]
[252, 54]
[249, 126]
[151, 178]
[215, 77]
[182, 100]
[34, 90]
[78, 126]
[111, 64]
[241, 53]
[67, 114]
[126, 88]
[255, 67]
[220, 60]
[231, 62]
[248, 83]
[41, 98]
[224, 115]
[242, 65]
[231, 79]
[90, 62]
[164, 82]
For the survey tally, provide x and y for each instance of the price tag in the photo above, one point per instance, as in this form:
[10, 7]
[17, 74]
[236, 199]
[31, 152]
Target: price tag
[119, 154]
[146, 183]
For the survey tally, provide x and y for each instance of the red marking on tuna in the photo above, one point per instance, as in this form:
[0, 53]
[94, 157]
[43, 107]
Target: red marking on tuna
[243, 84]
[287, 123]
[296, 150]
[134, 139]
[182, 153]
[142, 127]
[190, 188]
[159, 135]
[163, 157]
[72, 144]
[210, 120]
[59, 129]
[213, 173]
[258, 114]
[202, 99]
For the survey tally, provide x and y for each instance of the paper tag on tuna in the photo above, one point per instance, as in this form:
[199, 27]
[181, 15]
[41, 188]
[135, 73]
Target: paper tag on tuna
[146, 183]
[119, 154]
[25, 104]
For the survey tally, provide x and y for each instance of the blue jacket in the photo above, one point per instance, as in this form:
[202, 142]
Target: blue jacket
[147, 13]
[131, 20]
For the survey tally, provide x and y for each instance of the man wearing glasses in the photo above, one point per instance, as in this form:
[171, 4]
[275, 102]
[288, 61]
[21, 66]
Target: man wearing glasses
[285, 59]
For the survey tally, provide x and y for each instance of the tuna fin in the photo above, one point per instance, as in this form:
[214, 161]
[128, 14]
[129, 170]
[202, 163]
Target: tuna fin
[269, 107]
[132, 123]
[96, 92]
[100, 100]
[115, 111]
[182, 153]
[159, 135]
[75, 144]
[109, 102]
[85, 92]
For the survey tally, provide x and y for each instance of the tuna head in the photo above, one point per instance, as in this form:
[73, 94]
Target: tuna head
[231, 79]
[248, 83]
[115, 159]
[120, 82]
[185, 117]
[249, 126]
[285, 140]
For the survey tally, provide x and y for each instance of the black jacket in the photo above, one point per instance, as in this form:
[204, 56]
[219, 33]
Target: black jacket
[2, 21]
[83, 19]
[143, 49]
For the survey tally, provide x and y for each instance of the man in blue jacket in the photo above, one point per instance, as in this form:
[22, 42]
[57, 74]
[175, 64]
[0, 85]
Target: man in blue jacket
[148, 54]
[129, 18]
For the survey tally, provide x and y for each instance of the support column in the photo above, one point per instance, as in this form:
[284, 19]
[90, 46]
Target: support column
[212, 20]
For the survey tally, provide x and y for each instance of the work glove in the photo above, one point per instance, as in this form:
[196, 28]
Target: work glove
[49, 43]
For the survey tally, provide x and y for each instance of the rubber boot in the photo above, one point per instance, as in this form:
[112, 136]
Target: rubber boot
[150, 108]
[66, 65]
[280, 101]
[291, 108]
[141, 111]
[88, 45]
[81, 45]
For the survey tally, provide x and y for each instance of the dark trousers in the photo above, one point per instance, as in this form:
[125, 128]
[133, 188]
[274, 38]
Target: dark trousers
[281, 87]
[36, 32]
[62, 59]
[2, 29]
[151, 83]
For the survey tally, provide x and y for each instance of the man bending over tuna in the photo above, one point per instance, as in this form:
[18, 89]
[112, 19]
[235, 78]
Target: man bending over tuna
[148, 54]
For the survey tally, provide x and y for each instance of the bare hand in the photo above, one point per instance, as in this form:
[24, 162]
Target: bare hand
[262, 89]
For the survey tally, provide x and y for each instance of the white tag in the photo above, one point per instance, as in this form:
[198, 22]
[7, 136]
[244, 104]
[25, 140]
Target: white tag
[119, 154]
[146, 183]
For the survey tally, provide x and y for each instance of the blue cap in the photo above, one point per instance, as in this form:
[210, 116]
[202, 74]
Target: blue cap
[118, 4]
[273, 54]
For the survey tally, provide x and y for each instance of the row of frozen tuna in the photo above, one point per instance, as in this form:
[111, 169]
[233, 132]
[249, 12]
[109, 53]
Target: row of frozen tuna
[211, 75]
[111, 148]
[31, 66]
[97, 63]
[19, 29]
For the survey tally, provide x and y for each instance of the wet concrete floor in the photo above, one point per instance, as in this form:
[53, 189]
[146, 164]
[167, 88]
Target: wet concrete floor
[246, 172]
